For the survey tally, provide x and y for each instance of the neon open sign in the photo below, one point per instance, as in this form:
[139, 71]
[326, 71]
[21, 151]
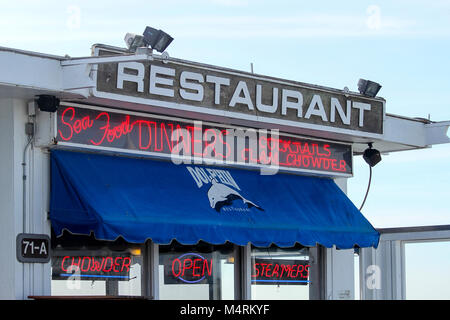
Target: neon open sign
[175, 138]
[190, 268]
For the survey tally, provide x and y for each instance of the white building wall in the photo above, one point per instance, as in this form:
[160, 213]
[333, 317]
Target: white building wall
[340, 276]
[382, 271]
[38, 222]
[19, 280]
[8, 205]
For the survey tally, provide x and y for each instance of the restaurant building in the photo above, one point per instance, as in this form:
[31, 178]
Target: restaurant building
[141, 175]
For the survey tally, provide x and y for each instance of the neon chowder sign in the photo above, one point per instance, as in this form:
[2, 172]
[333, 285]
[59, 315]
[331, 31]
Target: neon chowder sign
[194, 142]
[90, 267]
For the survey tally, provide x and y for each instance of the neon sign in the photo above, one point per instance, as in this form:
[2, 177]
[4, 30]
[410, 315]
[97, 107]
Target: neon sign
[277, 271]
[91, 267]
[190, 268]
[158, 136]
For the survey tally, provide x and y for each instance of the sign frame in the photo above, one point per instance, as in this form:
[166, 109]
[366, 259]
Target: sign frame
[206, 276]
[288, 278]
[298, 127]
[64, 144]
[20, 254]
[58, 273]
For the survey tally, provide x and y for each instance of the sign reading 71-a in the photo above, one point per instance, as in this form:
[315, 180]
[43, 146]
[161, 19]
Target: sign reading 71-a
[33, 248]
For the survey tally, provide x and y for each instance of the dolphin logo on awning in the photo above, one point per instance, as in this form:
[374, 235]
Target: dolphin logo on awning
[221, 195]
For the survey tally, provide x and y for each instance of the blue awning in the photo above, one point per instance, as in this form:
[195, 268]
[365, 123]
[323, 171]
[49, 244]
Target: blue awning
[140, 199]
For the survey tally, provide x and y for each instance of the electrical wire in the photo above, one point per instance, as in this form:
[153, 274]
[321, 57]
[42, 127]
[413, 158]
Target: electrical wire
[368, 188]
[24, 185]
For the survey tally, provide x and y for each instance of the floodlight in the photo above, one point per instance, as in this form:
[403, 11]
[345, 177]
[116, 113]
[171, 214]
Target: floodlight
[371, 156]
[151, 35]
[157, 39]
[368, 88]
[153, 38]
[134, 41]
[47, 103]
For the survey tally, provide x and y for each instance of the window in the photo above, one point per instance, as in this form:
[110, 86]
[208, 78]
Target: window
[82, 265]
[202, 271]
[427, 266]
[356, 275]
[280, 273]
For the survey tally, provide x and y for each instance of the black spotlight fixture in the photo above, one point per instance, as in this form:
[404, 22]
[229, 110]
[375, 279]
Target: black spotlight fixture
[371, 156]
[47, 103]
[368, 88]
[154, 38]
[157, 39]
[134, 41]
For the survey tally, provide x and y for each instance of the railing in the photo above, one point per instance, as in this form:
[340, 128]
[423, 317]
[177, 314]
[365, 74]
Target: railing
[393, 269]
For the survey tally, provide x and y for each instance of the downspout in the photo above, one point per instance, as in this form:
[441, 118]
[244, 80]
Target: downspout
[30, 131]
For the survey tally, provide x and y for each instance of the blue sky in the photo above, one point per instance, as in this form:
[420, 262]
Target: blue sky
[404, 45]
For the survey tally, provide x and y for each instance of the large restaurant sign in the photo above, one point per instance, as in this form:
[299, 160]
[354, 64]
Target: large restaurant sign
[178, 85]
[185, 141]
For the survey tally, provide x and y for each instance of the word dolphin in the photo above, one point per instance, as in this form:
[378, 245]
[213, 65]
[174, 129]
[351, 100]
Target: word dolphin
[221, 195]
